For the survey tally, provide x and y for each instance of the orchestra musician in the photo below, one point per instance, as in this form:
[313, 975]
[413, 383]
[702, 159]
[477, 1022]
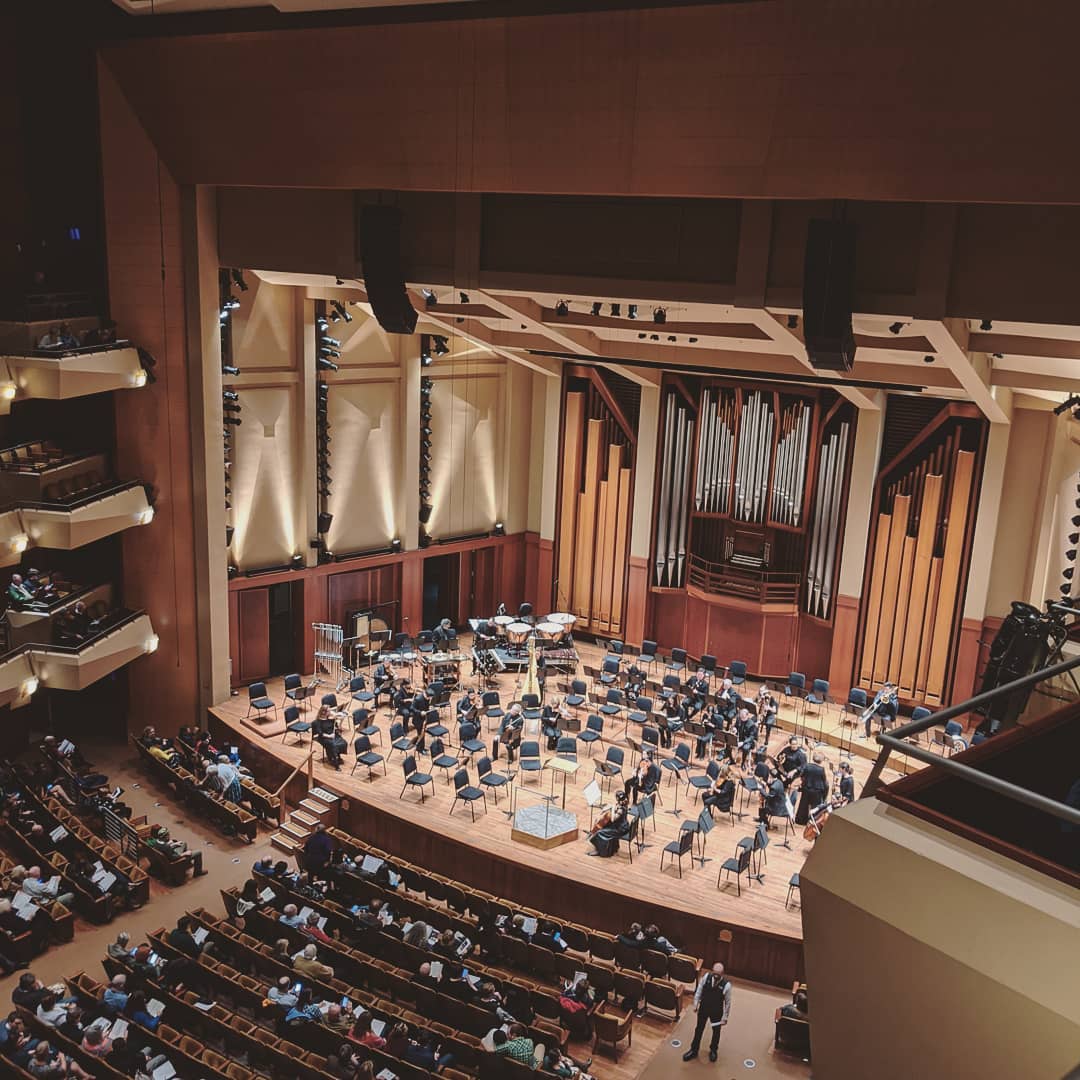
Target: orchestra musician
[611, 827]
[382, 682]
[746, 729]
[727, 702]
[791, 761]
[815, 787]
[442, 635]
[635, 681]
[466, 707]
[646, 778]
[774, 800]
[766, 709]
[847, 783]
[886, 705]
[721, 793]
[709, 724]
[697, 689]
[513, 720]
[327, 732]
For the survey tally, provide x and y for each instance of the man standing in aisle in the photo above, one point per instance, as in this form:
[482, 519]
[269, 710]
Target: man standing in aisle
[712, 1003]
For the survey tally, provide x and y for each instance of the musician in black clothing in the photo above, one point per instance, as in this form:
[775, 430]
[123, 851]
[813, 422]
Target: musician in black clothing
[326, 733]
[645, 780]
[697, 689]
[746, 729]
[847, 783]
[442, 635]
[635, 681]
[727, 702]
[708, 722]
[466, 707]
[791, 760]
[766, 708]
[815, 788]
[774, 803]
[885, 705]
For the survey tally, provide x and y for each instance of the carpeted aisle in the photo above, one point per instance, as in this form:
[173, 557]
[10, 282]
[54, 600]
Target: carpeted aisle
[748, 1036]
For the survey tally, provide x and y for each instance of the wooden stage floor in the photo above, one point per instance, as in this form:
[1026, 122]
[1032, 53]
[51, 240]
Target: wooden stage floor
[761, 906]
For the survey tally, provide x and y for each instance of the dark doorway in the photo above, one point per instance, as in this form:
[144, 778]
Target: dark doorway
[440, 589]
[282, 651]
[481, 583]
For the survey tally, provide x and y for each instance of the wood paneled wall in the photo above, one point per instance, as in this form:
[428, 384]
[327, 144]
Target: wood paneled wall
[916, 574]
[596, 484]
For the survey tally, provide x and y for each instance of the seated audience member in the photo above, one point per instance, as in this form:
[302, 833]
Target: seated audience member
[50, 1011]
[305, 1010]
[137, 1009]
[20, 596]
[94, 1041]
[423, 977]
[29, 992]
[514, 1044]
[307, 963]
[559, 1064]
[123, 1058]
[653, 939]
[182, 938]
[338, 1019]
[51, 339]
[14, 925]
[105, 334]
[282, 994]
[548, 937]
[175, 850]
[417, 934]
[799, 1009]
[425, 1052]
[576, 1006]
[312, 929]
[115, 998]
[282, 953]
[362, 1033]
[49, 1064]
[120, 949]
[39, 887]
[290, 916]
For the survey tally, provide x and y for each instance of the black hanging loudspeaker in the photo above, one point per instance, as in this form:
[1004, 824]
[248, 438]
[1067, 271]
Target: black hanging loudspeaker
[828, 294]
[379, 248]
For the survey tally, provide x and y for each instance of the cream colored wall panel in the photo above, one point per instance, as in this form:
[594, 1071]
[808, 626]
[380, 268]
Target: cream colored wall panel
[266, 479]
[364, 463]
[264, 326]
[466, 465]
[363, 343]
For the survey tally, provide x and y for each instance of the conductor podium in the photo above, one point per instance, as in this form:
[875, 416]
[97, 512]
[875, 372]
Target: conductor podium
[537, 821]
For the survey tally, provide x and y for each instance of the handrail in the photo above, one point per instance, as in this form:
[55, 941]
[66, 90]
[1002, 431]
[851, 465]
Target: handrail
[311, 780]
[895, 741]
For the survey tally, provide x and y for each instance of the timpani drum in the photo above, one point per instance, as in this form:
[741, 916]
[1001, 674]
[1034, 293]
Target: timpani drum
[549, 631]
[563, 618]
[517, 633]
[501, 622]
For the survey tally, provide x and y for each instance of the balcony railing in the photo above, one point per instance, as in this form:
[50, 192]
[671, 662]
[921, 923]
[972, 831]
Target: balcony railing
[727, 579]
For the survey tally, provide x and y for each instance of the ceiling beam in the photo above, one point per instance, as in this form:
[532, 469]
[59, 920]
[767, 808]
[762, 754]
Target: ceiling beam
[950, 340]
[1018, 345]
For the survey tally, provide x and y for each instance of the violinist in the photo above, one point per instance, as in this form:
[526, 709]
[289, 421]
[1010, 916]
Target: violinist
[466, 708]
[669, 720]
[327, 733]
[791, 761]
[612, 826]
[721, 794]
[646, 778]
[766, 710]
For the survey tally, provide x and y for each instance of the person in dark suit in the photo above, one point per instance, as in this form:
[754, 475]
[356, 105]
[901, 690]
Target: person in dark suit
[774, 803]
[697, 689]
[791, 760]
[815, 788]
[442, 635]
[746, 730]
[847, 783]
[548, 937]
[318, 848]
[712, 1003]
[645, 780]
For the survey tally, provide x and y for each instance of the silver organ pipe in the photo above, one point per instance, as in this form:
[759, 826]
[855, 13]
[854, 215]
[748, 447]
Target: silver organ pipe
[665, 492]
[825, 523]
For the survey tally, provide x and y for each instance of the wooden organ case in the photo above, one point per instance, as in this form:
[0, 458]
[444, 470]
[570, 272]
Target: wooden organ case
[751, 496]
[918, 553]
[596, 483]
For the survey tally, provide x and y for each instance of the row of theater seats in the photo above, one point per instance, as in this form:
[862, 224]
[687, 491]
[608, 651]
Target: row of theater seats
[60, 922]
[229, 817]
[72, 487]
[33, 457]
[465, 909]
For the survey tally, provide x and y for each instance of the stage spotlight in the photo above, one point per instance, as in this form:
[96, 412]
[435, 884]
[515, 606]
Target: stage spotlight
[693, 340]
[229, 408]
[324, 491]
[1068, 572]
[325, 556]
[671, 337]
[426, 383]
[229, 530]
[228, 369]
[339, 281]
[1076, 520]
[597, 307]
[425, 540]
[238, 280]
[326, 365]
[425, 444]
[232, 420]
[654, 337]
[425, 431]
[464, 297]
[1074, 538]
[430, 299]
[395, 545]
[323, 522]
[642, 336]
[232, 571]
[616, 311]
[562, 309]
[896, 327]
[334, 316]
[793, 322]
[230, 395]
[928, 359]
[659, 315]
[230, 303]
[631, 311]
[986, 326]
[500, 529]
[323, 389]
[340, 309]
[1071, 554]
[321, 324]
[425, 359]
[329, 342]
[297, 561]
[425, 513]
[441, 346]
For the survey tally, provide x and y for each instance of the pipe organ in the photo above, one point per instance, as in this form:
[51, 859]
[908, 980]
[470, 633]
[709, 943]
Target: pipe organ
[594, 507]
[919, 547]
[674, 490]
[750, 491]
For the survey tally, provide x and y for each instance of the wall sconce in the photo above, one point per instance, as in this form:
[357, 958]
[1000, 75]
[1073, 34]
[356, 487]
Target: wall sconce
[19, 543]
[30, 685]
[152, 643]
[7, 391]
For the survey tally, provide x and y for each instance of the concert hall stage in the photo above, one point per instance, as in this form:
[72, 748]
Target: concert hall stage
[766, 931]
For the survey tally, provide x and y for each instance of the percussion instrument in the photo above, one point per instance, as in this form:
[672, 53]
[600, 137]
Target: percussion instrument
[563, 618]
[501, 622]
[549, 631]
[518, 632]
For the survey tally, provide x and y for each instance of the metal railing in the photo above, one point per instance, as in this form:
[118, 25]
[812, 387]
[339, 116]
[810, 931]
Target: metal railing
[895, 741]
[728, 579]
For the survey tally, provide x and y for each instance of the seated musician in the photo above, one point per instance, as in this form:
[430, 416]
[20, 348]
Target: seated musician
[697, 689]
[382, 682]
[774, 801]
[635, 681]
[466, 707]
[669, 720]
[746, 728]
[709, 723]
[721, 794]
[442, 635]
[766, 709]
[885, 705]
[611, 827]
[401, 698]
[326, 733]
[513, 720]
[763, 771]
[727, 702]
[646, 778]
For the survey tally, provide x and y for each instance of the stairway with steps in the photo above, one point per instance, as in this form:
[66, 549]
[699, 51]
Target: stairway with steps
[318, 806]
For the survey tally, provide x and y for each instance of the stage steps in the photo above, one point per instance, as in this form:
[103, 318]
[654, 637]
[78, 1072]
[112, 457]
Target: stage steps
[318, 806]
